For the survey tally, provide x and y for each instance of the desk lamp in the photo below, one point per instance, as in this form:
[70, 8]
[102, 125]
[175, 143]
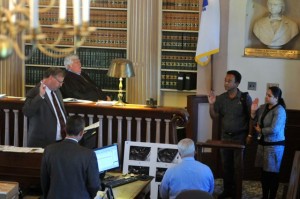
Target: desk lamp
[120, 68]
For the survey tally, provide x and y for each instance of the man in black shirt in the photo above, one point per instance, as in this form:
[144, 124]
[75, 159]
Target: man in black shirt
[233, 111]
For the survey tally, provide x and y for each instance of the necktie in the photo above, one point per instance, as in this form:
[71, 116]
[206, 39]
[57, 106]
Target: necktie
[60, 116]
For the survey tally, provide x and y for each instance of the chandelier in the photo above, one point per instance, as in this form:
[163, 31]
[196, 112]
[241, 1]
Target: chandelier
[21, 20]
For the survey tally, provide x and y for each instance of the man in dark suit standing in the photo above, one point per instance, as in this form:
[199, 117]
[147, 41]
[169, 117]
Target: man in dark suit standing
[78, 84]
[68, 170]
[45, 110]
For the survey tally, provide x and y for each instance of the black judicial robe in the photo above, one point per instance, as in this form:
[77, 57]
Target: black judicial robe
[80, 87]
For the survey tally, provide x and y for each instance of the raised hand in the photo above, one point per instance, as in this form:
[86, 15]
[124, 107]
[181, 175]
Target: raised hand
[42, 89]
[254, 105]
[211, 97]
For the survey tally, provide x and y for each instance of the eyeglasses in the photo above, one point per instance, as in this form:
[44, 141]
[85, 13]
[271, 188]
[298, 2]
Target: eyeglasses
[61, 82]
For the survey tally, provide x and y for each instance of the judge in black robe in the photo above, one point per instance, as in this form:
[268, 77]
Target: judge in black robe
[78, 84]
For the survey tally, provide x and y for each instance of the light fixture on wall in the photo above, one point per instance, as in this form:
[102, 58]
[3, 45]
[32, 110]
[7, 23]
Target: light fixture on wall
[21, 20]
[121, 68]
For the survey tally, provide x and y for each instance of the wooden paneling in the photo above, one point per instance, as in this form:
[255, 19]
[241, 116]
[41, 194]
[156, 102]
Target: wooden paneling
[21, 167]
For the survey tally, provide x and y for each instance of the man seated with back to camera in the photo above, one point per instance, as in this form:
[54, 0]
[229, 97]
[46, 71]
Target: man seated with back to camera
[77, 84]
[68, 170]
[189, 174]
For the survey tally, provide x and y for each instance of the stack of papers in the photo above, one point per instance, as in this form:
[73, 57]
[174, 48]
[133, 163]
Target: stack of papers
[106, 103]
[20, 149]
[77, 100]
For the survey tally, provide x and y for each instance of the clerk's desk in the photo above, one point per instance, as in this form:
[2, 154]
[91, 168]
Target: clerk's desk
[22, 164]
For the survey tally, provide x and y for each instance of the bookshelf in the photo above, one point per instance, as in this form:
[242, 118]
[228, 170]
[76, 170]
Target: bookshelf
[108, 42]
[179, 33]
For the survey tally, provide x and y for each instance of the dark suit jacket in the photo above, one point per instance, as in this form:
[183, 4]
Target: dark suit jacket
[69, 171]
[41, 116]
[80, 87]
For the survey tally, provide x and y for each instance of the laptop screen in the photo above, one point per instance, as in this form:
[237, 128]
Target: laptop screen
[107, 158]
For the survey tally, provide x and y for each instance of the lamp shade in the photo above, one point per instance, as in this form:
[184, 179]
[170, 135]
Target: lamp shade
[121, 68]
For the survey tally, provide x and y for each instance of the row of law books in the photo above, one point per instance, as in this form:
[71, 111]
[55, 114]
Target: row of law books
[103, 81]
[107, 38]
[34, 75]
[111, 19]
[99, 18]
[178, 80]
[179, 65]
[51, 17]
[180, 21]
[39, 58]
[109, 3]
[184, 36]
[94, 3]
[181, 4]
[99, 58]
[180, 45]
[178, 61]
[178, 40]
[53, 34]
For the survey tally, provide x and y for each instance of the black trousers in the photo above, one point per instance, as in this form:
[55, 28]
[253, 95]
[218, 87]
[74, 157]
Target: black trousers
[270, 184]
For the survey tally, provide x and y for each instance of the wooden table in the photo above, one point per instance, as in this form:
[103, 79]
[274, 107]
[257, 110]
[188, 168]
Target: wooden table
[219, 144]
[138, 189]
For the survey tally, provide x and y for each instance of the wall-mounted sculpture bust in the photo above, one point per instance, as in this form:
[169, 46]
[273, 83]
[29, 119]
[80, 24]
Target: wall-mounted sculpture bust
[275, 30]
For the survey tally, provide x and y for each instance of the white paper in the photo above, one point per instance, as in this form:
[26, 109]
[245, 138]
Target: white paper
[106, 103]
[77, 100]
[6, 148]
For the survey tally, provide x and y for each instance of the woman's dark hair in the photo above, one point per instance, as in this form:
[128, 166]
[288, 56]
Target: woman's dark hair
[75, 124]
[276, 91]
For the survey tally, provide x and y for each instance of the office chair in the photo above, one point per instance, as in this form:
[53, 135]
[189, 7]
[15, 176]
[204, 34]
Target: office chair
[194, 194]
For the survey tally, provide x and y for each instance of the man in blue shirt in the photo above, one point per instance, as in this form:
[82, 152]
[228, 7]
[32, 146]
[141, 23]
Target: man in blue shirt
[189, 174]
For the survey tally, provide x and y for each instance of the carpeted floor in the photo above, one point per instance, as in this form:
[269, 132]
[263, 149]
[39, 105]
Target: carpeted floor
[251, 189]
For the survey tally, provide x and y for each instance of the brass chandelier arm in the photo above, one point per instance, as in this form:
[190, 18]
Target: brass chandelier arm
[52, 51]
[20, 53]
[17, 24]
[47, 7]
[56, 53]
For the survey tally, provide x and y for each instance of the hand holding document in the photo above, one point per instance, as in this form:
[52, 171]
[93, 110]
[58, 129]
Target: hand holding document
[92, 126]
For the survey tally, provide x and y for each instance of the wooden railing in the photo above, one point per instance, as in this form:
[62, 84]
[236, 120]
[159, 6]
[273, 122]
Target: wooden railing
[116, 124]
